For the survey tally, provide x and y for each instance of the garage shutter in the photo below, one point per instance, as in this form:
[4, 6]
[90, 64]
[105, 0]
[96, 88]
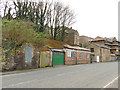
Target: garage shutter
[58, 58]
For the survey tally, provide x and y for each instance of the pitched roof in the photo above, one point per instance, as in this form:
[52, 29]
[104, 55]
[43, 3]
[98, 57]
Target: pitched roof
[102, 46]
[76, 47]
[60, 44]
[98, 38]
[57, 44]
[49, 43]
[111, 39]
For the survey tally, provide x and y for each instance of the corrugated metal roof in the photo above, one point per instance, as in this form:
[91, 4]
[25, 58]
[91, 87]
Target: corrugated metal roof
[76, 47]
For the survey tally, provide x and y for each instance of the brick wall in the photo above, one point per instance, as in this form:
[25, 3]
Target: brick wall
[105, 55]
[77, 59]
[96, 50]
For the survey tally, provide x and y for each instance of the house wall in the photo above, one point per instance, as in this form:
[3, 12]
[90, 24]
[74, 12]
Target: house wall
[76, 37]
[84, 59]
[45, 58]
[77, 59]
[74, 60]
[96, 51]
[72, 36]
[70, 60]
[103, 53]
[51, 54]
[99, 42]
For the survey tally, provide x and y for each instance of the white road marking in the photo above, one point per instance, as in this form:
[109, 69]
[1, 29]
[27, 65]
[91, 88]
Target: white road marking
[12, 85]
[111, 82]
[14, 74]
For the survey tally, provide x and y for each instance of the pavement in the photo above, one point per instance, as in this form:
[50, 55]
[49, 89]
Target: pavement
[96, 75]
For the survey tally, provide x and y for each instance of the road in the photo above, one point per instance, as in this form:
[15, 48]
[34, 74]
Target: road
[96, 75]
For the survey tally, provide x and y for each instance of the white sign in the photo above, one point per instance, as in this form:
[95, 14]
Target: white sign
[97, 58]
[69, 53]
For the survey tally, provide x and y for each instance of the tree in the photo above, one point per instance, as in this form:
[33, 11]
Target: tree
[20, 32]
[46, 15]
[60, 18]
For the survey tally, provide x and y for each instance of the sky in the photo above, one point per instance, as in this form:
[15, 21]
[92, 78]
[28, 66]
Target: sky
[95, 17]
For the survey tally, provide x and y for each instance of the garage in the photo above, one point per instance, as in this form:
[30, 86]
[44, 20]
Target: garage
[58, 58]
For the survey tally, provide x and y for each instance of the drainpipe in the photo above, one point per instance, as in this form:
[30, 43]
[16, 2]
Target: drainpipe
[76, 60]
[39, 60]
[76, 56]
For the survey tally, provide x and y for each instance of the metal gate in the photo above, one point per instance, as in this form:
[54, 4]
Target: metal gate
[58, 58]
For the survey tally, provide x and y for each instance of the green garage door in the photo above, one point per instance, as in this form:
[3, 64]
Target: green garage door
[58, 58]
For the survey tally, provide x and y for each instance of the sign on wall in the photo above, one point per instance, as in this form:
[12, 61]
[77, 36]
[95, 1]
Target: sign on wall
[97, 58]
[28, 53]
[69, 53]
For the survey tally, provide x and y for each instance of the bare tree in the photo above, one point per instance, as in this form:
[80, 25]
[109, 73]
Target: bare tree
[60, 18]
[53, 16]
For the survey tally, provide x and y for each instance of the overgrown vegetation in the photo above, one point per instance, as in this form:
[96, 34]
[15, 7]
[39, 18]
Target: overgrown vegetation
[25, 21]
[15, 33]
[48, 17]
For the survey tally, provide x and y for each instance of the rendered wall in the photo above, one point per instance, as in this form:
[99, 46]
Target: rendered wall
[45, 58]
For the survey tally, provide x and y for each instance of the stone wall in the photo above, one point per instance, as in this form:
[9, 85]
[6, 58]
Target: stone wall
[103, 53]
[96, 50]
[72, 36]
[18, 61]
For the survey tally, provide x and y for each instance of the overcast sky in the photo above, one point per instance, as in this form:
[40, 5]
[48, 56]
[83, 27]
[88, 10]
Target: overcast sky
[95, 17]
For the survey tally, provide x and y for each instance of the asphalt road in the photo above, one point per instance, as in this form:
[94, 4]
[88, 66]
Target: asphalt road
[96, 75]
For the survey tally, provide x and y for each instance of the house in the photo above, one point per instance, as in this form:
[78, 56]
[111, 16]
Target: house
[71, 36]
[114, 48]
[76, 55]
[64, 53]
[112, 43]
[101, 53]
[84, 40]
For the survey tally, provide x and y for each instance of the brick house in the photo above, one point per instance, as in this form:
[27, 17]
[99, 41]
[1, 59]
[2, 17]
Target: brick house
[101, 52]
[112, 43]
[64, 53]
[78, 55]
[70, 55]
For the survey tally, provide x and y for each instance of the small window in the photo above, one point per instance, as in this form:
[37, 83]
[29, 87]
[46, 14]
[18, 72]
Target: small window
[69, 53]
[73, 54]
[81, 55]
[87, 55]
[92, 49]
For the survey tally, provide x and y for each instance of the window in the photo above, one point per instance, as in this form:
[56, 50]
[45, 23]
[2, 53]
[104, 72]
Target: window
[87, 55]
[81, 55]
[69, 53]
[73, 54]
[92, 49]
